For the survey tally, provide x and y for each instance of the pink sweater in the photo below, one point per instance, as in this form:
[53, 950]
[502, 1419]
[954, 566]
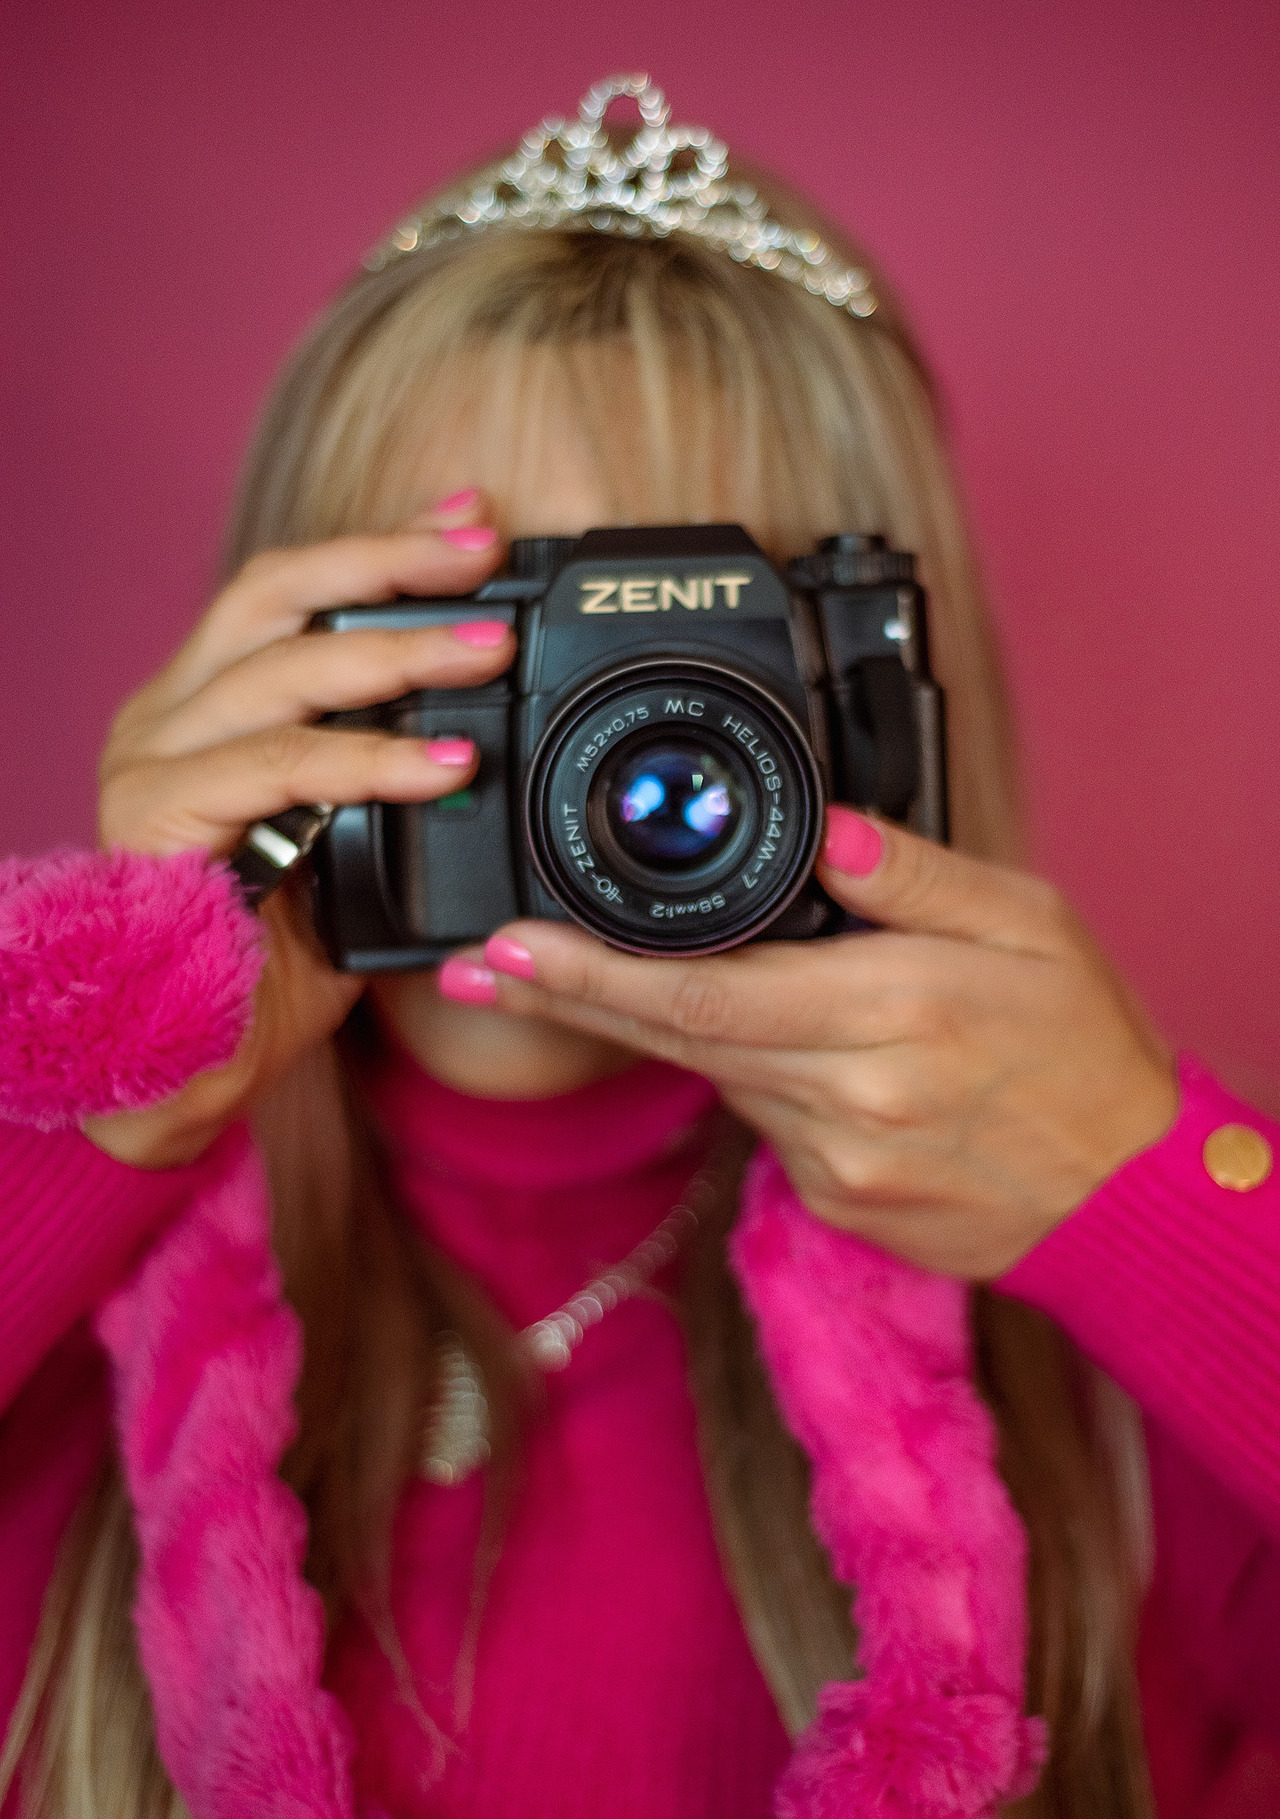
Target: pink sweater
[612, 1672]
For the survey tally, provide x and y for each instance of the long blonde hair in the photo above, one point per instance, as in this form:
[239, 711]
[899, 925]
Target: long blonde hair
[698, 389]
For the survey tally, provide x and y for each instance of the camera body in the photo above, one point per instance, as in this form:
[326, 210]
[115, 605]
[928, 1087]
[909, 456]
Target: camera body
[656, 764]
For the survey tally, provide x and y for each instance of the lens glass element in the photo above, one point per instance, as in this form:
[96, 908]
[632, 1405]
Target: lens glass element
[672, 804]
[673, 807]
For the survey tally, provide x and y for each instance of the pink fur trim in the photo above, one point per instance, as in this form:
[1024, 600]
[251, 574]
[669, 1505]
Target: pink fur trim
[121, 976]
[206, 1355]
[870, 1360]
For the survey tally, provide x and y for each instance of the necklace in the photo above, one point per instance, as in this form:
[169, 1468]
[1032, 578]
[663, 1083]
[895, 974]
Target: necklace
[456, 1435]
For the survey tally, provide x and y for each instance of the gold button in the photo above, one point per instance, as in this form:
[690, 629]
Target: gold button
[1237, 1157]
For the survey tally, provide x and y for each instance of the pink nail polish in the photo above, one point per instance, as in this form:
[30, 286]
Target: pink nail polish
[458, 502]
[450, 751]
[507, 956]
[471, 536]
[484, 634]
[467, 983]
[853, 846]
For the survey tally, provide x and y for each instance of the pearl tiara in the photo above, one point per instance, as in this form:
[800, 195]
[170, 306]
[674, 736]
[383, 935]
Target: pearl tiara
[665, 180]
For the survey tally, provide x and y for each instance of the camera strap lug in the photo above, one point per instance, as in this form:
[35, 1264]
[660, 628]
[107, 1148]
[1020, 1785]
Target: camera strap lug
[272, 850]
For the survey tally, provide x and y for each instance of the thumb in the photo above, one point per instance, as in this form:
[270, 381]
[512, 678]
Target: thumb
[895, 878]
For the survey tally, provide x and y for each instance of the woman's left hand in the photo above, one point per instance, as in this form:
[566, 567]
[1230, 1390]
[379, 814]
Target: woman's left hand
[950, 1085]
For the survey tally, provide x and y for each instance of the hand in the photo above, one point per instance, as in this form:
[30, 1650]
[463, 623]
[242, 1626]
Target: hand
[224, 736]
[949, 1085]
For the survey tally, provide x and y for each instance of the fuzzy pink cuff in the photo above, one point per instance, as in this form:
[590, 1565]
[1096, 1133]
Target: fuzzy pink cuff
[121, 976]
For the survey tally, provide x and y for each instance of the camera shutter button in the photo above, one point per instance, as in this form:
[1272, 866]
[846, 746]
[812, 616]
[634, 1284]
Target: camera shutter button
[539, 558]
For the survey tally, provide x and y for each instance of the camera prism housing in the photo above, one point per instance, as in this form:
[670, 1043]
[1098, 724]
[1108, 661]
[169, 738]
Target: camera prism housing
[656, 765]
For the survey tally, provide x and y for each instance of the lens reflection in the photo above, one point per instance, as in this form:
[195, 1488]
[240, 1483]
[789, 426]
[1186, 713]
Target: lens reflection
[645, 795]
[707, 813]
[673, 803]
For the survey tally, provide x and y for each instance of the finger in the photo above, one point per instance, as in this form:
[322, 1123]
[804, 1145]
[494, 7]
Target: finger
[298, 678]
[466, 979]
[276, 592]
[850, 991]
[894, 1086]
[792, 1074]
[887, 875]
[206, 799]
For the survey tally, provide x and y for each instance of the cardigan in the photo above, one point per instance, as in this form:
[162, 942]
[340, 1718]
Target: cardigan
[1170, 1281]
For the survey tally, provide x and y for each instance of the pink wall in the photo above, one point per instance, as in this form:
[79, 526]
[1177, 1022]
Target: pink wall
[1079, 201]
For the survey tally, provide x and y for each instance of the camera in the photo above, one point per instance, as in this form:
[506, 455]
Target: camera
[656, 764]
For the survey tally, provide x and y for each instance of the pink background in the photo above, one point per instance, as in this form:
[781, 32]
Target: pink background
[1079, 202]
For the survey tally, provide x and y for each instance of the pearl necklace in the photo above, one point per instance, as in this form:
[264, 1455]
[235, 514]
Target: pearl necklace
[456, 1440]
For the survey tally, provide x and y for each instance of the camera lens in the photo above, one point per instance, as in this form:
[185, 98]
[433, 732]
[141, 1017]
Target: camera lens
[671, 804]
[673, 807]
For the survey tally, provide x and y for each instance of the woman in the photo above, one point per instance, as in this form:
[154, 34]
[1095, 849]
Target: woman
[970, 1089]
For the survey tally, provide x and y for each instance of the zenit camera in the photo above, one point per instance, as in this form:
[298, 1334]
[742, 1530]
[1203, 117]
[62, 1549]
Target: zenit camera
[656, 765]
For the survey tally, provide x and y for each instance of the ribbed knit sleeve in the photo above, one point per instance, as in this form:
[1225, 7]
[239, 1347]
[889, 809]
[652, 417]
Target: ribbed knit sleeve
[1172, 1284]
[71, 1218]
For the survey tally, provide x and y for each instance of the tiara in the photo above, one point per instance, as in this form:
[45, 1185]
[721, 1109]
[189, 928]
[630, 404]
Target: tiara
[665, 180]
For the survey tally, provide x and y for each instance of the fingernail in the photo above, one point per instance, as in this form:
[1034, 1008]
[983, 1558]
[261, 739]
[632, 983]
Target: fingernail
[450, 751]
[471, 536]
[458, 502]
[484, 634]
[853, 845]
[507, 956]
[467, 983]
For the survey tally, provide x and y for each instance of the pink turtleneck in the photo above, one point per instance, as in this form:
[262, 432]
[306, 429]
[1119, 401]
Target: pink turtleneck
[608, 1589]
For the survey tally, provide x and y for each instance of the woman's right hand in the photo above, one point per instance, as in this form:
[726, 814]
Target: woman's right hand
[225, 735]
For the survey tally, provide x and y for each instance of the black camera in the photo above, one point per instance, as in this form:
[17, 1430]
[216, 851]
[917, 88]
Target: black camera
[656, 764]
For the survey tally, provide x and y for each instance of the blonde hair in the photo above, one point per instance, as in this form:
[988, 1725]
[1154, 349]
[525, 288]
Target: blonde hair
[697, 389]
